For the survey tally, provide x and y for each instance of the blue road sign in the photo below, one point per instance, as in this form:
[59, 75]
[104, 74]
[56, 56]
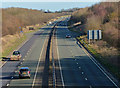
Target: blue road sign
[94, 34]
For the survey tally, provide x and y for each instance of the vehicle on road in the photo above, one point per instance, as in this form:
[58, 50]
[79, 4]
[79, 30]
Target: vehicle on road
[24, 72]
[68, 36]
[31, 28]
[15, 56]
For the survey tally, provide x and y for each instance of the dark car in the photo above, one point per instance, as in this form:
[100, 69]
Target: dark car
[31, 28]
[24, 72]
[68, 36]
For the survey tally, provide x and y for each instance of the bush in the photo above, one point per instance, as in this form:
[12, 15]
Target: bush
[93, 23]
[13, 18]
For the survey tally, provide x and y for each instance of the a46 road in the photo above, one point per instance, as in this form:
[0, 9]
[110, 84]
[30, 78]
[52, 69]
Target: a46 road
[71, 65]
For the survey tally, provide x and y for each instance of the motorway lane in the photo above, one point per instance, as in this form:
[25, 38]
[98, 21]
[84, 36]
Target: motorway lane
[9, 68]
[77, 68]
[31, 61]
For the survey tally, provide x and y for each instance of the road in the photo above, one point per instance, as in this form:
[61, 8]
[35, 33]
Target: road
[76, 67]
[33, 56]
[73, 67]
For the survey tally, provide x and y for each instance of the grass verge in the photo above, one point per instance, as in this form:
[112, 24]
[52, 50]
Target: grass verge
[114, 70]
[15, 44]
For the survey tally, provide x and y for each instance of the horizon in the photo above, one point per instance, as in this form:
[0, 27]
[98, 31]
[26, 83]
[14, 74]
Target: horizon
[51, 6]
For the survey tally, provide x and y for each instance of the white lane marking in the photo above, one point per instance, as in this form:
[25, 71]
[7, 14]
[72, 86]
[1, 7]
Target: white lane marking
[77, 63]
[18, 49]
[90, 86]
[82, 72]
[60, 65]
[91, 58]
[11, 77]
[79, 67]
[86, 79]
[38, 64]
[8, 84]
[3, 64]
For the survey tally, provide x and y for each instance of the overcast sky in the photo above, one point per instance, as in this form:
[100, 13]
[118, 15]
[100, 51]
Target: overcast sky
[52, 6]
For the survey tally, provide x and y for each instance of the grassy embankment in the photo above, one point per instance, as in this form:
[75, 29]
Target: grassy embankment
[13, 18]
[13, 43]
[103, 59]
[103, 16]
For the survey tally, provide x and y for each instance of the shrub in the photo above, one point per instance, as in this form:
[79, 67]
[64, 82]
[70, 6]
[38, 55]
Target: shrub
[13, 18]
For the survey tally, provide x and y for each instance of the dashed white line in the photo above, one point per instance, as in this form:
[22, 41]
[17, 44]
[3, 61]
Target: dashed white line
[91, 58]
[17, 49]
[11, 77]
[86, 79]
[90, 86]
[8, 84]
[38, 65]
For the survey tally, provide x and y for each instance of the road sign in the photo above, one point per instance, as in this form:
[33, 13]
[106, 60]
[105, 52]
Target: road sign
[94, 34]
[89, 33]
[99, 34]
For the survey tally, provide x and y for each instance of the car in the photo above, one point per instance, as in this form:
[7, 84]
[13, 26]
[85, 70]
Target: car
[31, 28]
[68, 36]
[16, 55]
[24, 72]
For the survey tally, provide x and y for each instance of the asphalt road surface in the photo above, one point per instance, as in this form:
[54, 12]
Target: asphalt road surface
[33, 56]
[73, 66]
[76, 67]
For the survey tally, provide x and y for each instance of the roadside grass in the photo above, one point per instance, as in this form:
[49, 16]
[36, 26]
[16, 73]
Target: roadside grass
[114, 70]
[31, 31]
[14, 45]
[72, 29]
[14, 41]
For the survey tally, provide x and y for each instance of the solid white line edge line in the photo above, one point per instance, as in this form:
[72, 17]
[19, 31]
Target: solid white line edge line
[60, 64]
[91, 58]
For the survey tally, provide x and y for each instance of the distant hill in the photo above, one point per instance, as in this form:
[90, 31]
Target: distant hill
[102, 16]
[13, 18]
